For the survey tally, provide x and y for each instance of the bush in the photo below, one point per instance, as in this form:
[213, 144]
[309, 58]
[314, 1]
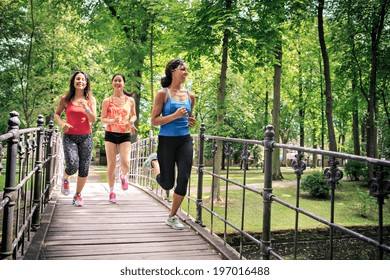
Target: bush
[355, 170]
[316, 185]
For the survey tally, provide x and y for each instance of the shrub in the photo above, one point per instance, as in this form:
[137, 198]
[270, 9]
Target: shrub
[355, 169]
[365, 203]
[316, 185]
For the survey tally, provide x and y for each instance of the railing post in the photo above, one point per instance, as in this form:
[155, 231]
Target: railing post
[9, 210]
[36, 218]
[137, 156]
[267, 192]
[56, 157]
[333, 174]
[49, 165]
[299, 166]
[379, 187]
[199, 196]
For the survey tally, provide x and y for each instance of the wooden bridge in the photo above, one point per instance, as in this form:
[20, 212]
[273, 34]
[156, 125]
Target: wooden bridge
[40, 223]
[132, 228]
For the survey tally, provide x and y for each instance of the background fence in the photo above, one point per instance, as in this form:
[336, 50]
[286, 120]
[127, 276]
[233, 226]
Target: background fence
[257, 195]
[32, 168]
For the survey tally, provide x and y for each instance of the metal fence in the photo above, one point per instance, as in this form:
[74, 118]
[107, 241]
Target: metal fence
[203, 208]
[32, 169]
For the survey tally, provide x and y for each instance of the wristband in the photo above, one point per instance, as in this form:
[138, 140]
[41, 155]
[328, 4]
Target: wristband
[87, 110]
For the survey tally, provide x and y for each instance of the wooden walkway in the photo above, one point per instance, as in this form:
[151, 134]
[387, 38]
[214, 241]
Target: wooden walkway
[133, 228]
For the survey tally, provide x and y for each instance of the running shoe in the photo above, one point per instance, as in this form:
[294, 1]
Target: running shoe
[125, 185]
[78, 201]
[65, 187]
[112, 197]
[174, 223]
[148, 162]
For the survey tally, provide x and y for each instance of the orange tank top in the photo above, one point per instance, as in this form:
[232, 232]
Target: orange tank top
[122, 110]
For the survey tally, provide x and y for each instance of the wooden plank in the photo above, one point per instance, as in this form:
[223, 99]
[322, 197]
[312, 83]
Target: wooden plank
[133, 228]
[106, 251]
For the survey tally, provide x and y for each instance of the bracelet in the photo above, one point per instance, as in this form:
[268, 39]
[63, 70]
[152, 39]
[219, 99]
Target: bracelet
[87, 110]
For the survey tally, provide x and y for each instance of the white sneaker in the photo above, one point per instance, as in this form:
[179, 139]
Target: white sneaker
[148, 162]
[78, 201]
[65, 187]
[174, 223]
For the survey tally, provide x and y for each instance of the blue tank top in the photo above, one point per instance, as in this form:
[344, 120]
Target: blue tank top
[178, 127]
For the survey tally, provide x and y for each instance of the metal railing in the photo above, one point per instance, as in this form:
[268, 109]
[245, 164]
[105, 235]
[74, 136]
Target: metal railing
[31, 172]
[206, 146]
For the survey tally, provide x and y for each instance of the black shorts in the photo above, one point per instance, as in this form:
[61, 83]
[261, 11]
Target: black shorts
[117, 138]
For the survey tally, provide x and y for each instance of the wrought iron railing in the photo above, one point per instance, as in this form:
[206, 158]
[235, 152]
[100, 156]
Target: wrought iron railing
[32, 169]
[206, 147]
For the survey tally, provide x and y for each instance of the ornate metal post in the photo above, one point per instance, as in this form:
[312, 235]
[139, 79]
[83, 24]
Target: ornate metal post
[199, 195]
[214, 149]
[299, 166]
[36, 218]
[228, 152]
[380, 188]
[136, 169]
[9, 210]
[267, 191]
[50, 163]
[244, 157]
[333, 174]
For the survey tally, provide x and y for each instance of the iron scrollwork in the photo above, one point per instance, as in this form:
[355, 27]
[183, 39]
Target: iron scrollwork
[298, 164]
[378, 186]
[332, 173]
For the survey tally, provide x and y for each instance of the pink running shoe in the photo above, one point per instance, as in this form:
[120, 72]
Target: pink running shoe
[65, 187]
[125, 185]
[78, 201]
[112, 197]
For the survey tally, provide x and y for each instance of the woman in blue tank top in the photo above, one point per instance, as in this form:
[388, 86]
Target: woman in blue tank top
[173, 111]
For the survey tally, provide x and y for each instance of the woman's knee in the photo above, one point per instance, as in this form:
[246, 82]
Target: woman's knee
[71, 170]
[181, 191]
[164, 184]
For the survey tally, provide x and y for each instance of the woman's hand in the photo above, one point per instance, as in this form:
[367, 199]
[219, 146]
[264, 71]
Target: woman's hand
[66, 127]
[181, 112]
[83, 103]
[191, 121]
[131, 127]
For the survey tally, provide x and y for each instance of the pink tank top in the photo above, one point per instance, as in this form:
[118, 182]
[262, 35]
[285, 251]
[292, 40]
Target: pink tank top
[76, 117]
[122, 110]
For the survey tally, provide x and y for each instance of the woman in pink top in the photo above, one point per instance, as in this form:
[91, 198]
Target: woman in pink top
[119, 116]
[80, 110]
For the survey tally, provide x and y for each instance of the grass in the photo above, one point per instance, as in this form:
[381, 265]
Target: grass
[253, 176]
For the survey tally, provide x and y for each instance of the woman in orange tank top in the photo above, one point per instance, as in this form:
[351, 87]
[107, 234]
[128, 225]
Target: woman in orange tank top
[119, 116]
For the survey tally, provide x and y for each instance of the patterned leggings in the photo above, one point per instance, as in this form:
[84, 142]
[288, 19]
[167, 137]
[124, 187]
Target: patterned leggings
[78, 153]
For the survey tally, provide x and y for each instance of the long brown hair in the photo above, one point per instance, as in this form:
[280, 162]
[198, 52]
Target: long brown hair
[72, 90]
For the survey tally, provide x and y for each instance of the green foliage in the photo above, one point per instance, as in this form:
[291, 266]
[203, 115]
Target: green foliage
[355, 170]
[42, 44]
[316, 185]
[365, 203]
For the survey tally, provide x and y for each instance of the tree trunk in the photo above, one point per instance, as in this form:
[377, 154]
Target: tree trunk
[276, 172]
[328, 88]
[301, 105]
[355, 121]
[221, 112]
[315, 146]
[372, 130]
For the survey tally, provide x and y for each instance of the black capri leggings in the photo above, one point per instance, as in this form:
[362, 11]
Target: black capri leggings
[78, 153]
[171, 151]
